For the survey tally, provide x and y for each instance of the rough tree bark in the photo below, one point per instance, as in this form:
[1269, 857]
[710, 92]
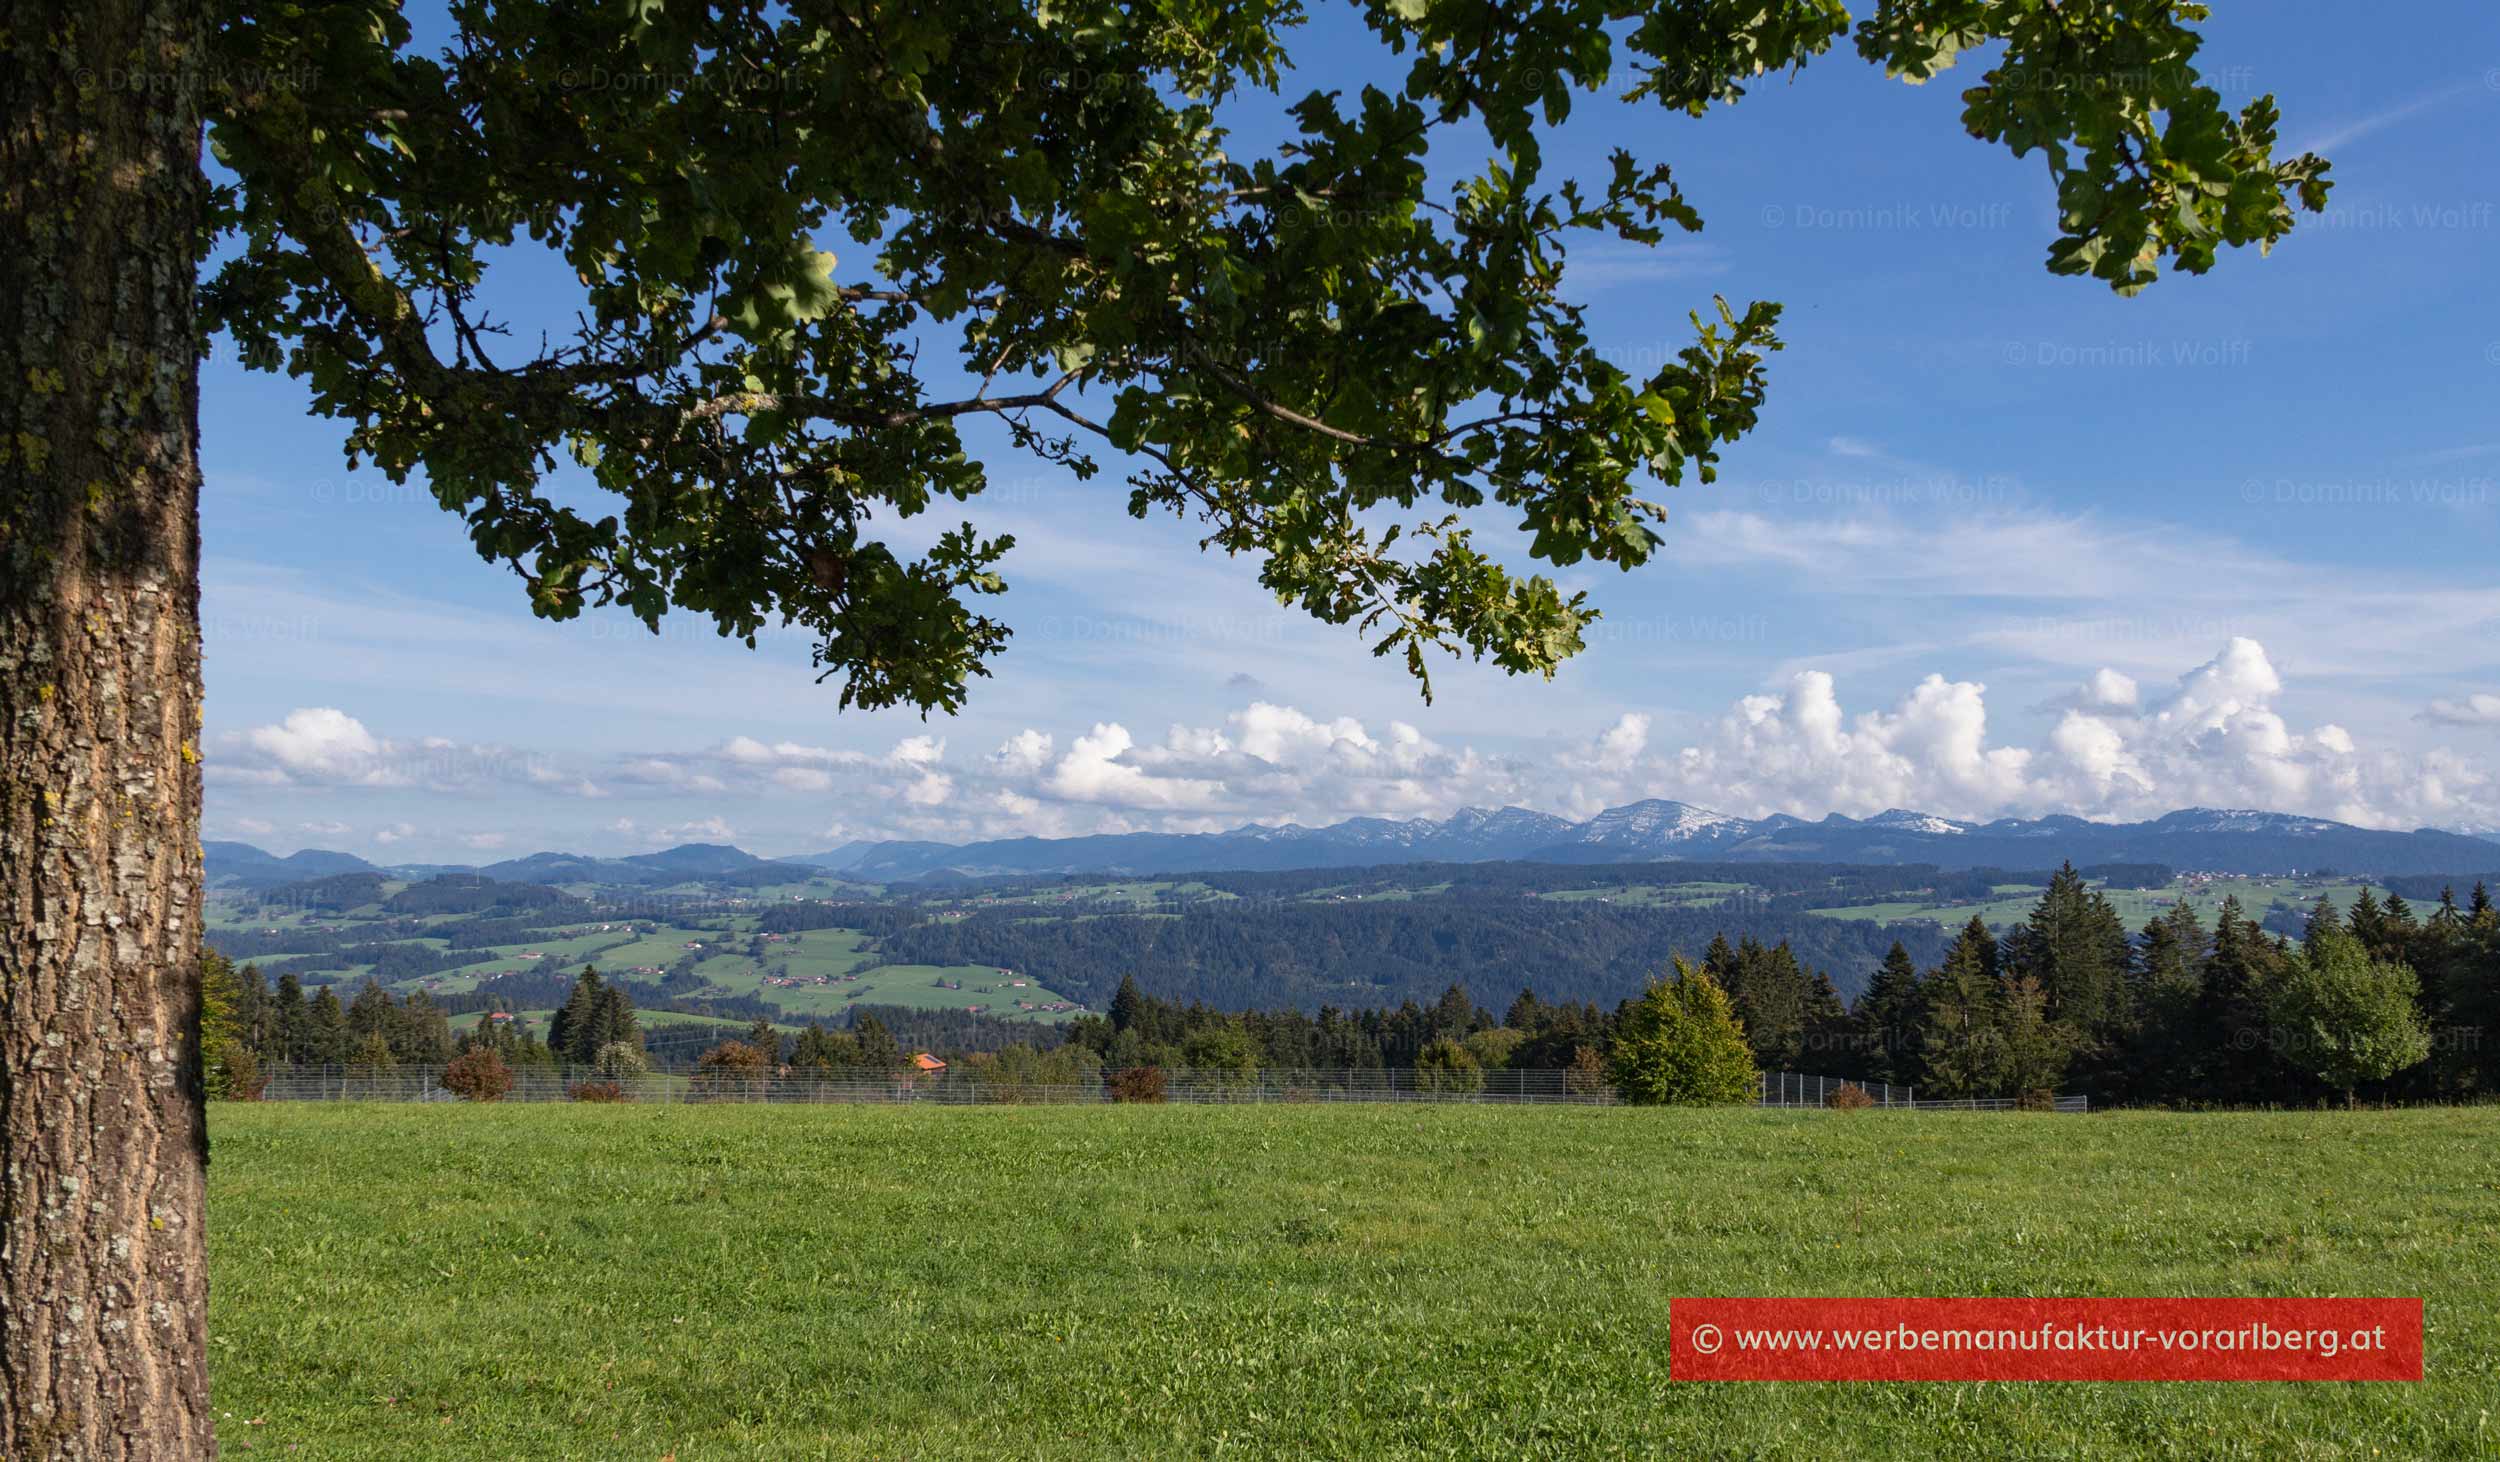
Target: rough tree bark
[103, 1144]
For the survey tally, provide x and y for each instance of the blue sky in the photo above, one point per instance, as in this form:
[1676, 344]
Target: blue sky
[2004, 543]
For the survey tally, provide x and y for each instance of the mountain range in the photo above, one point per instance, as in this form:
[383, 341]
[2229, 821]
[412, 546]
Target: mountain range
[2202, 839]
[2195, 839]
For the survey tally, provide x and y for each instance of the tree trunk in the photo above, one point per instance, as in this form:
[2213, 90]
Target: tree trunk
[103, 1142]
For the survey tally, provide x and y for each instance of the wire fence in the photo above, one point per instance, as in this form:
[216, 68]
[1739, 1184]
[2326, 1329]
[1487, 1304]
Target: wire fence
[953, 1088]
[1797, 1089]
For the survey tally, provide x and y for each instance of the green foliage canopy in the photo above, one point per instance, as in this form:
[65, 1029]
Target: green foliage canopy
[1322, 355]
[1679, 1044]
[2345, 1017]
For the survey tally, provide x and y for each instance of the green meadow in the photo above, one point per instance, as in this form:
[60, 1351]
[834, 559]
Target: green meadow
[1285, 1282]
[1667, 895]
[2137, 907]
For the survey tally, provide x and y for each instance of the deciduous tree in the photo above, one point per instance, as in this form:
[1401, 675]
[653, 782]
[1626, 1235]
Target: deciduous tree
[1445, 1065]
[1678, 1044]
[809, 241]
[2345, 1018]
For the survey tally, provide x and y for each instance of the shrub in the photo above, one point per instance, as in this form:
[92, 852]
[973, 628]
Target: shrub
[731, 1071]
[1223, 1054]
[620, 1061]
[1850, 1098]
[1138, 1084]
[1586, 1075]
[1494, 1048]
[233, 1072]
[596, 1091]
[478, 1076]
[1447, 1066]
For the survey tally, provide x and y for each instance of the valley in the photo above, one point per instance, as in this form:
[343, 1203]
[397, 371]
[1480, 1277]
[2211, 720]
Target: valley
[707, 936]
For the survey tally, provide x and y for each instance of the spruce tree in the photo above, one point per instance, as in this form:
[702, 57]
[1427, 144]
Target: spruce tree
[2075, 946]
[1126, 1004]
[2161, 1060]
[370, 1013]
[1890, 1017]
[326, 1037]
[2369, 923]
[255, 1015]
[1830, 1036]
[1769, 990]
[293, 1033]
[2322, 921]
[571, 1034]
[611, 1021]
[427, 1031]
[1961, 1055]
[2032, 1051]
[877, 1050]
[2232, 1028]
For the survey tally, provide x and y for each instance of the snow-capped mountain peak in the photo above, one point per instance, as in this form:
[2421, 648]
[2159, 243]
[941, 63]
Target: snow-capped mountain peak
[2204, 838]
[1660, 821]
[2241, 820]
[1917, 822]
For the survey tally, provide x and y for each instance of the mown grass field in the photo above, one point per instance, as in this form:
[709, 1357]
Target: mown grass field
[752, 1282]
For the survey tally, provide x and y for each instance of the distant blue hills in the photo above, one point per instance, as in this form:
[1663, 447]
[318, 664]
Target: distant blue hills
[2194, 839]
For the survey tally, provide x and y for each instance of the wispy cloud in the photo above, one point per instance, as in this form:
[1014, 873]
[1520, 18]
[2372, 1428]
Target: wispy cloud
[2353, 131]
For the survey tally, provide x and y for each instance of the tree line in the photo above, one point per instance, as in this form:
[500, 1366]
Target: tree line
[250, 1024]
[2378, 1000]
